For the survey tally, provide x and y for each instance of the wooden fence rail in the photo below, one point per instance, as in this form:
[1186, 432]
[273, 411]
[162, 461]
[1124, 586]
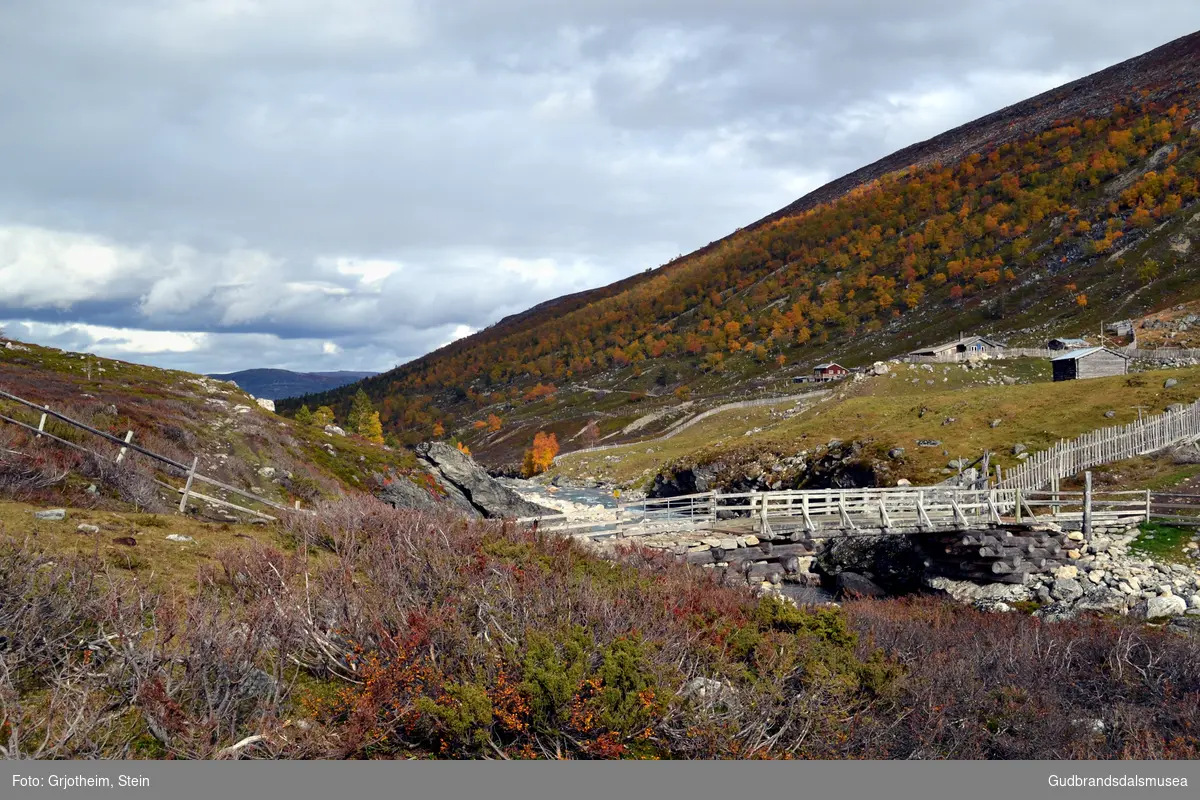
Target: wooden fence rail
[126, 443]
[1103, 446]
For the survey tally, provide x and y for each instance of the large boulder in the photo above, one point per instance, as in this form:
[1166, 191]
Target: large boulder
[851, 584]
[484, 493]
[1170, 605]
[425, 491]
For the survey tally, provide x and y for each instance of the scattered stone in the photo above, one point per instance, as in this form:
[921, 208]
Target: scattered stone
[1109, 414]
[51, 515]
[263, 402]
[127, 541]
[1017, 449]
[266, 472]
[85, 528]
[994, 423]
[1066, 573]
[1102, 600]
[1066, 589]
[896, 452]
[177, 537]
[334, 430]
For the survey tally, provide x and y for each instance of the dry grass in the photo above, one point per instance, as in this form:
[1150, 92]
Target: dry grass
[896, 412]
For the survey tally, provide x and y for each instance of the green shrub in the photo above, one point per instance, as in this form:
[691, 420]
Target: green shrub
[553, 672]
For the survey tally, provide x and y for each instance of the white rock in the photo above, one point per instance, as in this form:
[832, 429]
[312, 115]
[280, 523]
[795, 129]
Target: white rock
[263, 402]
[176, 537]
[1169, 606]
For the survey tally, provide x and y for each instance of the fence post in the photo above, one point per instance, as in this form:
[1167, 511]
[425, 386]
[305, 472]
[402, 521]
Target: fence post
[42, 423]
[1018, 504]
[1147, 505]
[1087, 504]
[187, 487]
[620, 511]
[128, 439]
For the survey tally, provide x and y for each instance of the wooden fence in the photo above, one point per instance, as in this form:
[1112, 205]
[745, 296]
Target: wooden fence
[188, 471]
[1105, 445]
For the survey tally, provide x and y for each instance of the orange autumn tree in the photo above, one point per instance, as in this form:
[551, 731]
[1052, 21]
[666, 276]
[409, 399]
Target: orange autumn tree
[540, 456]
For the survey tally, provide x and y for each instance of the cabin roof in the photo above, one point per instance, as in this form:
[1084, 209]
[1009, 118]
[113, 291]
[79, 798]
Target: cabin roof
[1085, 352]
[827, 366]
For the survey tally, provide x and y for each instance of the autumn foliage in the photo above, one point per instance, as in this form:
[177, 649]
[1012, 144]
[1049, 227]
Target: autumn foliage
[540, 455]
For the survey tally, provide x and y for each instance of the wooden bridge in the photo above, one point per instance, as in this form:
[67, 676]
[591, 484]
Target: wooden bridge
[825, 513]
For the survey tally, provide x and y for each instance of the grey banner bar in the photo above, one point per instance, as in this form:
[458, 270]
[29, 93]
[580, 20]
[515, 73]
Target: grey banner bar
[358, 780]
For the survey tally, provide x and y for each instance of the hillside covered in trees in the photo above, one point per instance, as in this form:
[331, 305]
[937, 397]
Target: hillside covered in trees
[1050, 216]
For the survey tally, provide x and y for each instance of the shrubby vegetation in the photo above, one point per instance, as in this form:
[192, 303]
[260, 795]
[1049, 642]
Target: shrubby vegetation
[376, 633]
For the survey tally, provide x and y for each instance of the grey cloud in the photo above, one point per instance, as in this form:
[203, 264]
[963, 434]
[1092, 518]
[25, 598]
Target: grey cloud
[592, 138]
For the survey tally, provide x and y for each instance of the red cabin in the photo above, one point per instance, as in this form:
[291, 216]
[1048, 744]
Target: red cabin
[829, 372]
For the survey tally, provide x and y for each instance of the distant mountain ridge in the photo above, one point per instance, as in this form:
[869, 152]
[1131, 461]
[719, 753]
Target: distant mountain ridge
[276, 384]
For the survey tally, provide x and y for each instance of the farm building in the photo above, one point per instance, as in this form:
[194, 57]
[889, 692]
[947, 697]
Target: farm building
[1090, 362]
[829, 372]
[962, 349]
[1122, 328]
[1068, 344]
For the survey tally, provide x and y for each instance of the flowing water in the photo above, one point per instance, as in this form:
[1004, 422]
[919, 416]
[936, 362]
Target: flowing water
[573, 494]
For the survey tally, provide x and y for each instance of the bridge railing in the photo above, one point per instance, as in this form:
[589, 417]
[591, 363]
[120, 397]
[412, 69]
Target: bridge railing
[898, 509]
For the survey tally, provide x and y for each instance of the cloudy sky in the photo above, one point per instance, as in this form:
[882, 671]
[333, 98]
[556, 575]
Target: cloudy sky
[347, 184]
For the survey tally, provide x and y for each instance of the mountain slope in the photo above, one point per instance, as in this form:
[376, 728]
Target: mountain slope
[1045, 218]
[276, 384]
[176, 414]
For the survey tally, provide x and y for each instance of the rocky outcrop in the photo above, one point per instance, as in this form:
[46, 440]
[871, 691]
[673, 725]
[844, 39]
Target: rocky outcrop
[891, 562]
[836, 465]
[456, 473]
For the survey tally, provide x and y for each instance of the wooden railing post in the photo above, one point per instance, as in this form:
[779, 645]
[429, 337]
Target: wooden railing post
[121, 454]
[1087, 504]
[42, 423]
[1147, 505]
[187, 487]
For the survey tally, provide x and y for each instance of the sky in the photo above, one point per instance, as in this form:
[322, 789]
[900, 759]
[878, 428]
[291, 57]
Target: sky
[217, 185]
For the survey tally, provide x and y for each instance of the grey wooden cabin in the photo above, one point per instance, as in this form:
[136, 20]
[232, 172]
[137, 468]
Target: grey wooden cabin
[1090, 362]
[964, 348]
